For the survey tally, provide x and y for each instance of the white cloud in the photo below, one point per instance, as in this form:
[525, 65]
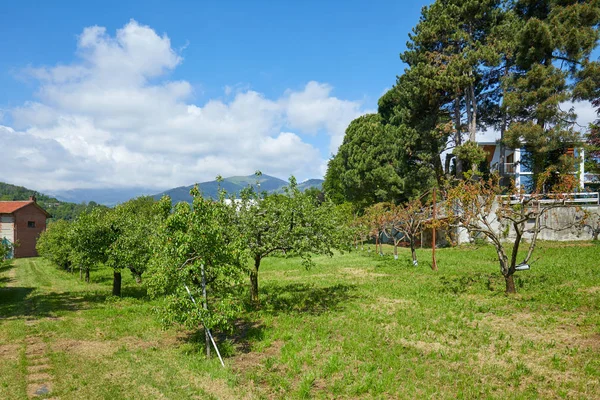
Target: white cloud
[585, 111]
[114, 118]
[314, 110]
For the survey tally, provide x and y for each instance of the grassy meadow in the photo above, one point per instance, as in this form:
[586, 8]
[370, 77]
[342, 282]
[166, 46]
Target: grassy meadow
[355, 326]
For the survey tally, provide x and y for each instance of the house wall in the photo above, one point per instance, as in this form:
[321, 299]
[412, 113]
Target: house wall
[7, 227]
[522, 175]
[7, 230]
[26, 236]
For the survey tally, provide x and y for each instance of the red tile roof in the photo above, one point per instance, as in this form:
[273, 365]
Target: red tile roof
[9, 207]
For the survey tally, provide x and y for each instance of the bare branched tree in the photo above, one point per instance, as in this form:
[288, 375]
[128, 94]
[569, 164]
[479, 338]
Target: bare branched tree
[505, 221]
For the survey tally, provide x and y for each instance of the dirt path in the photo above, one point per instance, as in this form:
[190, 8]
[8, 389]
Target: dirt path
[39, 373]
[39, 377]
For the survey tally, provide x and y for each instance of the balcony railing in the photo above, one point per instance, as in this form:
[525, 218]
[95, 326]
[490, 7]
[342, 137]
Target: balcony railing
[567, 198]
[510, 168]
[592, 178]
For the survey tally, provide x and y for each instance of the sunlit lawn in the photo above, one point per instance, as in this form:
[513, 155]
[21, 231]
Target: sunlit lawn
[355, 326]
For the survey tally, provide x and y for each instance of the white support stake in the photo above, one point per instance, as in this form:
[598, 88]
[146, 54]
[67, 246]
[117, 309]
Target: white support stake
[207, 330]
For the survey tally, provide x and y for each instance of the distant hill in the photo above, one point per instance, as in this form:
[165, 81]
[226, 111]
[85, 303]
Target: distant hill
[108, 197]
[310, 184]
[67, 204]
[57, 209]
[234, 185]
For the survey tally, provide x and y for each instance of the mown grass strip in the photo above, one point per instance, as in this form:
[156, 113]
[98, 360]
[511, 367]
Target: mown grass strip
[355, 326]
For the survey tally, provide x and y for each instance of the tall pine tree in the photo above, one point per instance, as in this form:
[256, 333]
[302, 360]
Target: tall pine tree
[552, 50]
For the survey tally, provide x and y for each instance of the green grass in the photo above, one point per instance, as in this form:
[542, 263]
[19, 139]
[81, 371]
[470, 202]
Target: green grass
[355, 326]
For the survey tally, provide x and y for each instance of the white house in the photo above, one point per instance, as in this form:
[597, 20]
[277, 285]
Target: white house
[519, 171]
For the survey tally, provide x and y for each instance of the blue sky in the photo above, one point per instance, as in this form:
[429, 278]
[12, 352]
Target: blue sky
[162, 94]
[309, 68]
[269, 45]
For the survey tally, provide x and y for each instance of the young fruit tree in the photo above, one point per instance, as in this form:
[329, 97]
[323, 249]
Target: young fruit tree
[505, 220]
[133, 224]
[359, 229]
[408, 221]
[198, 250]
[375, 218]
[290, 224]
[89, 238]
[387, 226]
[53, 244]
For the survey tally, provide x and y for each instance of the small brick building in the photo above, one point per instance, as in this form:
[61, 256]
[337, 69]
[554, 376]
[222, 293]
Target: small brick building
[22, 222]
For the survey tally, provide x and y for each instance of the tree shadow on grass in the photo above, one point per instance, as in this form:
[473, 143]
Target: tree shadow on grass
[12, 301]
[19, 302]
[136, 292]
[5, 266]
[238, 341]
[245, 332]
[25, 302]
[305, 298]
[128, 288]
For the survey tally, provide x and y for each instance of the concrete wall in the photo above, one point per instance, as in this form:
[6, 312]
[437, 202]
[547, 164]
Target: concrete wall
[26, 236]
[556, 225]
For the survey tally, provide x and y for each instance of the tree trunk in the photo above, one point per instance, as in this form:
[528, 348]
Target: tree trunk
[505, 181]
[437, 162]
[433, 232]
[447, 163]
[116, 289]
[472, 119]
[80, 273]
[510, 284]
[254, 280]
[136, 275]
[205, 306]
[472, 114]
[413, 252]
[87, 275]
[395, 249]
[207, 342]
[458, 136]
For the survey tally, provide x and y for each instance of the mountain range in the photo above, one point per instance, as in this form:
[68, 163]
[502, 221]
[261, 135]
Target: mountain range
[108, 197]
[232, 185]
[57, 209]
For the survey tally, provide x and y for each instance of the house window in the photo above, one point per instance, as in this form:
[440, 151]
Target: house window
[509, 168]
[526, 161]
[31, 224]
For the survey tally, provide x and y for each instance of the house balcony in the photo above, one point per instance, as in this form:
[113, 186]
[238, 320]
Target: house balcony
[510, 168]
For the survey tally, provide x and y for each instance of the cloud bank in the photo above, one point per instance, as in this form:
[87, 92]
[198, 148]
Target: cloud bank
[115, 119]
